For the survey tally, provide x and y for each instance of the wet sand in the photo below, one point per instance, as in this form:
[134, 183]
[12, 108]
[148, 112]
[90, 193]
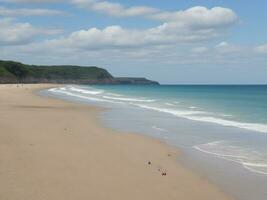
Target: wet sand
[56, 150]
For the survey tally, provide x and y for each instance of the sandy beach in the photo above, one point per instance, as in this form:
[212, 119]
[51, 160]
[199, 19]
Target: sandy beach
[56, 150]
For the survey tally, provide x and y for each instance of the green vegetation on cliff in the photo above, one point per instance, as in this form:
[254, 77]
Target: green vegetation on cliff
[15, 72]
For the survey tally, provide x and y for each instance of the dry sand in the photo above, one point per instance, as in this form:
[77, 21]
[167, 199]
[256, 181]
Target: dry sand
[56, 150]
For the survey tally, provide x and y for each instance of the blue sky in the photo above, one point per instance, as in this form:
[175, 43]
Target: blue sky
[184, 42]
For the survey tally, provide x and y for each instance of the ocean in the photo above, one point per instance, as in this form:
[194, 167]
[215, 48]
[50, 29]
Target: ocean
[221, 128]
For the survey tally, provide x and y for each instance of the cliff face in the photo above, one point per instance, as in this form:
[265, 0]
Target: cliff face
[15, 72]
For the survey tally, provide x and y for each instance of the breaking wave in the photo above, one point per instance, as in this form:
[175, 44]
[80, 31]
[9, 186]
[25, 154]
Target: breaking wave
[250, 159]
[191, 113]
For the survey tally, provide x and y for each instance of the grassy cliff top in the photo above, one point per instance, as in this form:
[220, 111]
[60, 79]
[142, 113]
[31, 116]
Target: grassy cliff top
[16, 72]
[64, 72]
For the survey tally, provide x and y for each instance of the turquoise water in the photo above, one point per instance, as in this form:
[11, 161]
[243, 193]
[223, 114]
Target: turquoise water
[240, 103]
[212, 124]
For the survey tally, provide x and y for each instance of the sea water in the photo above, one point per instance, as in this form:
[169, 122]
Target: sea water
[221, 128]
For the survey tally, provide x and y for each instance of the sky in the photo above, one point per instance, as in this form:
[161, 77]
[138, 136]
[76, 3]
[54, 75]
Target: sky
[171, 41]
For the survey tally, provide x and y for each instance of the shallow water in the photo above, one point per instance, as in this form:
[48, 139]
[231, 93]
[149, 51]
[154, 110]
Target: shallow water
[221, 129]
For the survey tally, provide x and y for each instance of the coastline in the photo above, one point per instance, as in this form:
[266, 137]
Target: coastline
[53, 149]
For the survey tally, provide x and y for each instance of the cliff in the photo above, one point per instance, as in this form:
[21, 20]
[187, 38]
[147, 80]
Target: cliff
[15, 72]
[135, 81]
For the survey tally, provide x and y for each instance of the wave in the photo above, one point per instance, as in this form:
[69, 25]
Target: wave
[200, 116]
[226, 115]
[192, 107]
[114, 94]
[249, 126]
[129, 99]
[52, 90]
[178, 113]
[93, 92]
[63, 88]
[191, 113]
[60, 91]
[250, 159]
[159, 129]
[170, 104]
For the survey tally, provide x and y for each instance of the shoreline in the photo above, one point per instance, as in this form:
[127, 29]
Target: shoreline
[54, 157]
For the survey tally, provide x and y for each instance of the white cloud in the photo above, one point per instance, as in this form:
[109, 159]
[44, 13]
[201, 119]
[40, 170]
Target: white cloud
[114, 9]
[31, 1]
[225, 47]
[192, 25]
[197, 24]
[95, 46]
[198, 16]
[12, 33]
[7, 12]
[261, 49]
[199, 50]
[222, 44]
[184, 36]
[117, 37]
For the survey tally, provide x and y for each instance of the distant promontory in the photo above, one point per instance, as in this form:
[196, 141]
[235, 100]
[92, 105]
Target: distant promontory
[16, 72]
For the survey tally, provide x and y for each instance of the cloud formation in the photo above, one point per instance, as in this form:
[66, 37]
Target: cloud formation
[261, 49]
[116, 37]
[185, 26]
[196, 24]
[13, 33]
[31, 1]
[227, 48]
[114, 9]
[7, 12]
[200, 16]
[195, 16]
[181, 36]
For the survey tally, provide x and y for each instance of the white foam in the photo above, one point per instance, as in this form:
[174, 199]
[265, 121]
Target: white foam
[250, 159]
[249, 126]
[159, 129]
[178, 113]
[52, 90]
[114, 94]
[93, 92]
[259, 171]
[129, 99]
[192, 107]
[170, 104]
[63, 88]
[88, 96]
[196, 116]
[192, 113]
[58, 90]
[226, 115]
